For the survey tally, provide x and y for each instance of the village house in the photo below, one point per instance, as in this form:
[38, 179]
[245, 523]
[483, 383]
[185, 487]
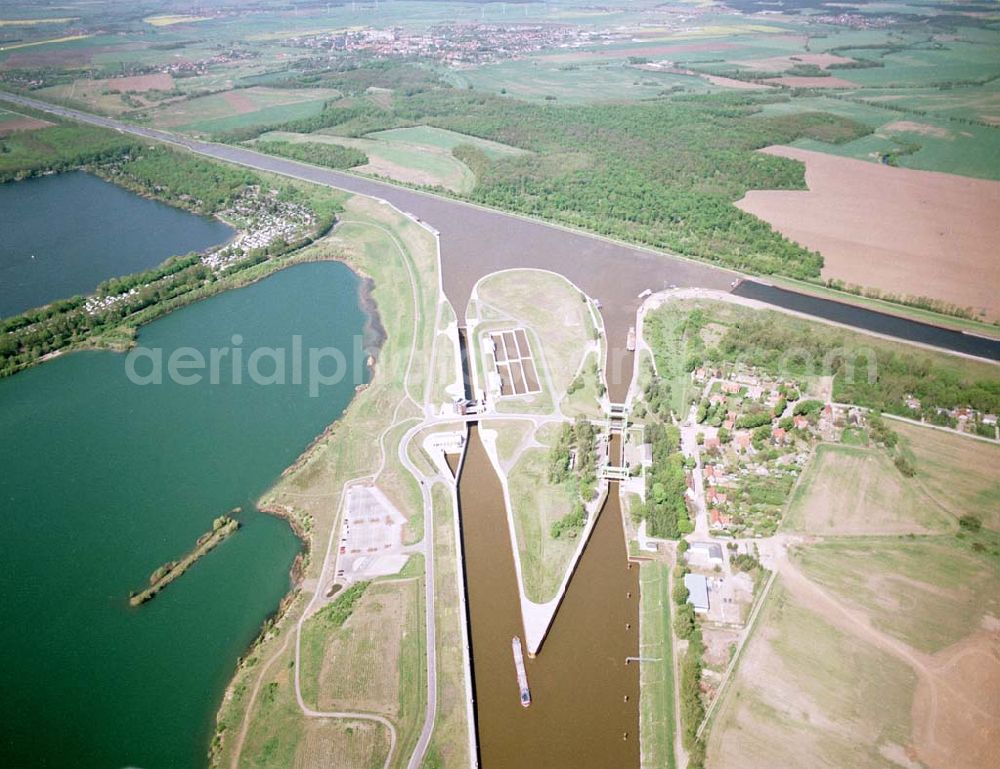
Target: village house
[741, 441]
[800, 422]
[719, 519]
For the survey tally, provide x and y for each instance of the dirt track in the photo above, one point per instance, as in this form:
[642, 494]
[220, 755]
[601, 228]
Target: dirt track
[956, 707]
[920, 233]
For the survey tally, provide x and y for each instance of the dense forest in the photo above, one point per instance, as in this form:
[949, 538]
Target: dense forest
[320, 154]
[664, 173]
[61, 147]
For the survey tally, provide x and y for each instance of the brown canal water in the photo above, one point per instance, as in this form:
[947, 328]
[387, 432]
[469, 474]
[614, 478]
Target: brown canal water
[585, 699]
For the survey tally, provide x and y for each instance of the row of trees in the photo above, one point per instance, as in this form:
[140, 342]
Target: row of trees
[321, 154]
[686, 628]
[573, 463]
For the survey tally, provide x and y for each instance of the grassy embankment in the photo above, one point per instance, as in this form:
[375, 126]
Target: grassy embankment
[656, 682]
[311, 492]
[565, 346]
[538, 504]
[222, 528]
[990, 330]
[449, 745]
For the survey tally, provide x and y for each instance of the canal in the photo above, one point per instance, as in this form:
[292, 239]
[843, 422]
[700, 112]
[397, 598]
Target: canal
[585, 699]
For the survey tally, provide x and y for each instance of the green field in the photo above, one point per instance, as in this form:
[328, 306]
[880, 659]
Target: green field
[400, 161]
[927, 592]
[574, 84]
[240, 108]
[959, 474]
[941, 143]
[656, 680]
[374, 663]
[806, 694]
[428, 136]
[854, 490]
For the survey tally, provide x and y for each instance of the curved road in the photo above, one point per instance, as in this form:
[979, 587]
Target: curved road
[476, 241]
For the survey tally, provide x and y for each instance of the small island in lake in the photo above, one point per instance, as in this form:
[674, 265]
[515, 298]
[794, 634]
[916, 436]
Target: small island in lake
[222, 527]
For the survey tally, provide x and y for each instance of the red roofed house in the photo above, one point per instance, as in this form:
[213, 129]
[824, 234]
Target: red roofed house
[801, 423]
[712, 443]
[719, 519]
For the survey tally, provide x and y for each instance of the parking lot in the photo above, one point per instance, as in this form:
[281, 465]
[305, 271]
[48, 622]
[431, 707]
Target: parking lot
[371, 537]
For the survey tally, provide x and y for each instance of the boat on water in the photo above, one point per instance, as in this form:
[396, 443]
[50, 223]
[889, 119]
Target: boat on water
[522, 676]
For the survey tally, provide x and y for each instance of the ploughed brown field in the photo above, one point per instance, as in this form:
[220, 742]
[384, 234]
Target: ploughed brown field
[8, 127]
[139, 83]
[919, 233]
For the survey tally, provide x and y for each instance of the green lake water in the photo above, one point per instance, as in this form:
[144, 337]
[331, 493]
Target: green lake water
[103, 480]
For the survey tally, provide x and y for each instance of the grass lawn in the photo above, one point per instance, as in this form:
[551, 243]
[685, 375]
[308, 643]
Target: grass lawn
[808, 695]
[374, 663]
[511, 434]
[941, 458]
[584, 401]
[281, 737]
[656, 679]
[397, 160]
[929, 592]
[537, 504]
[441, 138]
[555, 314]
[858, 490]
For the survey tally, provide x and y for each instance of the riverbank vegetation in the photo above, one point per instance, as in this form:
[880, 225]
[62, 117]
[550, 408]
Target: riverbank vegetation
[222, 527]
[123, 303]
